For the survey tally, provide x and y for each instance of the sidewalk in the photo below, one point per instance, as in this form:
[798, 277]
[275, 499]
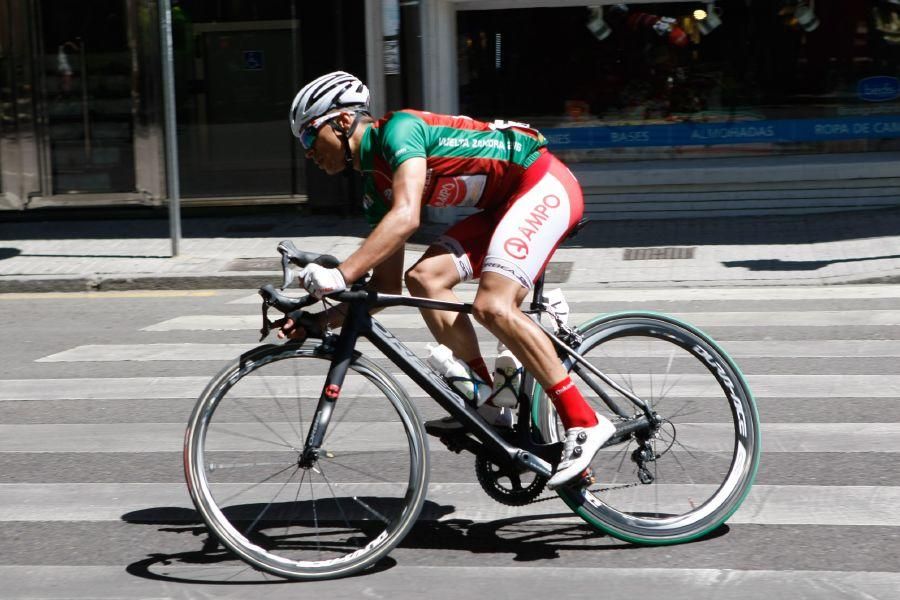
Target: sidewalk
[238, 251]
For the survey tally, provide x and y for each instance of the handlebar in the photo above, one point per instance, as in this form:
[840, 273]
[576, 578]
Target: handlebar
[293, 259]
[283, 302]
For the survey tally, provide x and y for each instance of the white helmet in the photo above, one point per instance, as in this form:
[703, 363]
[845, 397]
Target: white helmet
[326, 96]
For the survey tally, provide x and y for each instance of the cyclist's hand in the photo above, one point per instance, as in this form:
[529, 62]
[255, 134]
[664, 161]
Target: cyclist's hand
[299, 325]
[318, 281]
[290, 329]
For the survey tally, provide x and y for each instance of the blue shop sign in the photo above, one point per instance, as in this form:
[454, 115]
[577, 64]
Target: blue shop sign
[879, 89]
[712, 134]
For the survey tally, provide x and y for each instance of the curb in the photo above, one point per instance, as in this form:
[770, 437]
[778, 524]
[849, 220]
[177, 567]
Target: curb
[121, 283]
[255, 280]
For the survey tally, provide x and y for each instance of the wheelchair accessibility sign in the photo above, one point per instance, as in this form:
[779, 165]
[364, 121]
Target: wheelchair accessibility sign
[254, 60]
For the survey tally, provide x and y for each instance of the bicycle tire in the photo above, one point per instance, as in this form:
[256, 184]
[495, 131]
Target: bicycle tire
[241, 433]
[669, 510]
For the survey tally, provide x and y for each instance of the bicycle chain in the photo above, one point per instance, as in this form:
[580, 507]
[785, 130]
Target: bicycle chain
[594, 490]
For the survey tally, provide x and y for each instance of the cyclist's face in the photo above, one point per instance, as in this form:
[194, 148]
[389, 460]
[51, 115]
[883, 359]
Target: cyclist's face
[327, 151]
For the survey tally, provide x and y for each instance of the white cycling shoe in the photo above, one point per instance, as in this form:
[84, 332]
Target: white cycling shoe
[581, 444]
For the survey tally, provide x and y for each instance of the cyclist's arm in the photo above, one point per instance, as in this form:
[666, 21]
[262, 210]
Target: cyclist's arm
[386, 278]
[401, 220]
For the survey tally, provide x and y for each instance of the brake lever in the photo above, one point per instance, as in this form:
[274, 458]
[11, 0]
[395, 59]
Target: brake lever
[267, 324]
[288, 270]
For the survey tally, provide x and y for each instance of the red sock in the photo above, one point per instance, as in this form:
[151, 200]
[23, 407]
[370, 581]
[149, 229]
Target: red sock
[573, 409]
[477, 365]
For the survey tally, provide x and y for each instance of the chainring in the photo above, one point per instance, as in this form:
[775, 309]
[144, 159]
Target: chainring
[510, 486]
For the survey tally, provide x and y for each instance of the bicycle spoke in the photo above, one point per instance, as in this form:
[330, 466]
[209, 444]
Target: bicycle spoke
[267, 506]
[274, 395]
[253, 485]
[225, 466]
[698, 461]
[263, 423]
[285, 444]
[287, 420]
[650, 396]
[296, 501]
[370, 509]
[685, 471]
[337, 502]
[312, 496]
[360, 471]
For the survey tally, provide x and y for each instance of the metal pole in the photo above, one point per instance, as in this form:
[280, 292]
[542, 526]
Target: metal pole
[168, 72]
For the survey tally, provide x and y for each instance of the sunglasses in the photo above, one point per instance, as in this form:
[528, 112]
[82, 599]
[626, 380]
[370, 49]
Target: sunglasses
[308, 137]
[311, 132]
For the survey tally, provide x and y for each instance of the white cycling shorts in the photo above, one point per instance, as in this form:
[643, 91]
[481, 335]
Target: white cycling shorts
[517, 239]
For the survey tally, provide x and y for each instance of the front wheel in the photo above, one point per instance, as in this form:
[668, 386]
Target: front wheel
[270, 504]
[684, 477]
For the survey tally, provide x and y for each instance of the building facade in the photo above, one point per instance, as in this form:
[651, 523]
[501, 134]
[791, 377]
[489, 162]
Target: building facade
[662, 109]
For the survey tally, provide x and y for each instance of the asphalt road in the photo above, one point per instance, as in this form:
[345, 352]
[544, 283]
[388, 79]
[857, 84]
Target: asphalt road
[95, 390]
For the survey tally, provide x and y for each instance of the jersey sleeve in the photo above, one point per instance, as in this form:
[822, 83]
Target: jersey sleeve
[403, 137]
[374, 205]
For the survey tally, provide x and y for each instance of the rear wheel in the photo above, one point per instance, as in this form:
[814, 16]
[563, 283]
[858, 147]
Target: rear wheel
[301, 519]
[686, 476]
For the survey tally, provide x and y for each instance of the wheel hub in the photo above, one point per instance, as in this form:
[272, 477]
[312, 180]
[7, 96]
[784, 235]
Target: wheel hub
[308, 459]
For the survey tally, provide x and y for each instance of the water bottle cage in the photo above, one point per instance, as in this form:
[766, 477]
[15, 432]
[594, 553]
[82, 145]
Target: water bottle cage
[477, 384]
[507, 385]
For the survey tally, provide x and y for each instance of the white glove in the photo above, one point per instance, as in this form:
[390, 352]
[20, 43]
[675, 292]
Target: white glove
[319, 281]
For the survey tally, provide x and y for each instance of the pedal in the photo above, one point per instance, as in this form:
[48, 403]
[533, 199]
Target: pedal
[451, 444]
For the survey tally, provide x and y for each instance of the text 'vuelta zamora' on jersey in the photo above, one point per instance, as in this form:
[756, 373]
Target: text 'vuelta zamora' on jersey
[469, 162]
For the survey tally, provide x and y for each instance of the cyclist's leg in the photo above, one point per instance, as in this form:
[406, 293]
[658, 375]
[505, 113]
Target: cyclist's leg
[452, 258]
[536, 221]
[497, 308]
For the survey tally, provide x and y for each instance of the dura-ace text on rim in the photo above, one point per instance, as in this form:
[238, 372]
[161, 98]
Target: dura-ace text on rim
[698, 463]
[331, 517]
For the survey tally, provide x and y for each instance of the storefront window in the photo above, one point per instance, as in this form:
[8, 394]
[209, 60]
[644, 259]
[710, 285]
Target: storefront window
[87, 68]
[657, 80]
[238, 65]
[234, 72]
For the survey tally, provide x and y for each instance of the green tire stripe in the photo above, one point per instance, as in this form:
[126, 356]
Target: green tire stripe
[576, 506]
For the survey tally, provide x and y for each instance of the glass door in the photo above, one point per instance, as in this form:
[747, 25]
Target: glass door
[236, 70]
[88, 97]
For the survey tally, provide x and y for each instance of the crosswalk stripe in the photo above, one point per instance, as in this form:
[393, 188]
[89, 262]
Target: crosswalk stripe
[765, 504]
[826, 318]
[737, 349]
[601, 294]
[136, 388]
[378, 436]
[88, 582]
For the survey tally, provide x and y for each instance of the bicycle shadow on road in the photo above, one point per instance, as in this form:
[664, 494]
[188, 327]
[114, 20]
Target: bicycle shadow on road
[212, 563]
[526, 538]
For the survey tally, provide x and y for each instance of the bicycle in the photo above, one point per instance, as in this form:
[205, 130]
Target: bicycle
[332, 494]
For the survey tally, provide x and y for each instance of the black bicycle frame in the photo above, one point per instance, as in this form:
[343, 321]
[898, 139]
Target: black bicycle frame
[526, 452]
[359, 323]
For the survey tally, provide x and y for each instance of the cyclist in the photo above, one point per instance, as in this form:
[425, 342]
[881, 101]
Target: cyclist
[529, 201]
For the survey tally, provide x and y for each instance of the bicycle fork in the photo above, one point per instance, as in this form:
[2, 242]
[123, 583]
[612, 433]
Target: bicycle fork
[331, 391]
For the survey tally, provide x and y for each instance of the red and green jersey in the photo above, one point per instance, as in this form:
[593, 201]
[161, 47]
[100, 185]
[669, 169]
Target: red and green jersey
[469, 163]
